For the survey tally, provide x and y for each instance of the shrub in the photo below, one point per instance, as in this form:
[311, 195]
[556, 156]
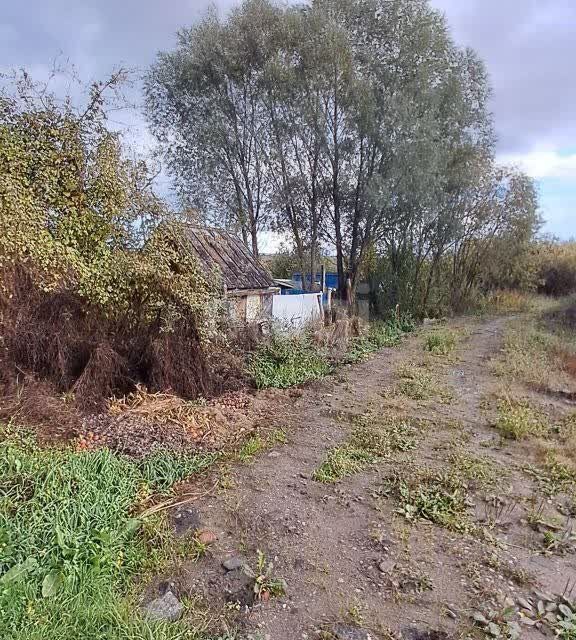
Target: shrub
[557, 268]
[287, 361]
[96, 292]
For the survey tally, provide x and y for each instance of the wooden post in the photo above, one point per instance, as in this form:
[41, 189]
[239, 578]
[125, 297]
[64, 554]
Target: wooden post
[329, 307]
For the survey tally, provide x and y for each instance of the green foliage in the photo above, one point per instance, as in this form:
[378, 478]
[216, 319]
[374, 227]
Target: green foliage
[437, 497]
[440, 343]
[382, 333]
[518, 420]
[287, 361]
[343, 461]
[162, 469]
[250, 448]
[265, 582]
[556, 265]
[69, 545]
[372, 439]
[499, 624]
[419, 383]
[484, 471]
[79, 216]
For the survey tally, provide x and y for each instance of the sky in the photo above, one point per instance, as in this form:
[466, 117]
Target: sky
[529, 47]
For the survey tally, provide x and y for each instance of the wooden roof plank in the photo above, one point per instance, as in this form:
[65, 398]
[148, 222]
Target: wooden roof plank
[216, 247]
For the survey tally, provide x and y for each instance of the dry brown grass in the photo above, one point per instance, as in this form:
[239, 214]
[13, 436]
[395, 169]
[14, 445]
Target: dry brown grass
[540, 352]
[61, 357]
[163, 408]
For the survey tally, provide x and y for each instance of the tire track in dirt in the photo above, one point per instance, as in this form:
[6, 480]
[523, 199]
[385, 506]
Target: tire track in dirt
[327, 541]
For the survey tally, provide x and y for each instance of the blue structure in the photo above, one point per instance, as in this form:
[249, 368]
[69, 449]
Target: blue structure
[331, 279]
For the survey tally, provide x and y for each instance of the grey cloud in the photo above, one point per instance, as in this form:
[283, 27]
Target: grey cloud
[529, 47]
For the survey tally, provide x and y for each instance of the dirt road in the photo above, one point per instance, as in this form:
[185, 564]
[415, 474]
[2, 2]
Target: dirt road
[346, 554]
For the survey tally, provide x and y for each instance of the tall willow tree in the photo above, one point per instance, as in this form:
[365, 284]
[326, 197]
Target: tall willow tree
[354, 124]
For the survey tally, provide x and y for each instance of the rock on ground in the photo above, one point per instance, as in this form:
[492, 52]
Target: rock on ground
[166, 608]
[347, 632]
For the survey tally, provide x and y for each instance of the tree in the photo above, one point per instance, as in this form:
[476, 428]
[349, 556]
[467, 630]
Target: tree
[203, 103]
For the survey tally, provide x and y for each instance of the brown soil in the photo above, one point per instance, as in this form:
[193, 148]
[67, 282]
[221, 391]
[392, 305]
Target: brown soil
[344, 551]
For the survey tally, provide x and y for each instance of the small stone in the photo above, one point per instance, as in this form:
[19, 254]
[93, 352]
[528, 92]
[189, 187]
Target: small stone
[386, 566]
[274, 454]
[233, 563]
[207, 537]
[347, 632]
[167, 608]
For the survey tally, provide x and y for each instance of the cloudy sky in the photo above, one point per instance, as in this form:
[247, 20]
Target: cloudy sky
[528, 45]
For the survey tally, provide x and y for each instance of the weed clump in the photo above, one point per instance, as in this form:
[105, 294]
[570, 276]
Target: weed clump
[343, 461]
[440, 498]
[517, 420]
[370, 441]
[287, 361]
[440, 343]
[418, 383]
[479, 469]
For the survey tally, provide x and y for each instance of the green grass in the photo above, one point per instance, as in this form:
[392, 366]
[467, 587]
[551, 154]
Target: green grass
[70, 546]
[343, 461]
[440, 498]
[288, 361]
[440, 343]
[250, 448]
[419, 383]
[383, 333]
[482, 470]
[371, 440]
[162, 469]
[518, 420]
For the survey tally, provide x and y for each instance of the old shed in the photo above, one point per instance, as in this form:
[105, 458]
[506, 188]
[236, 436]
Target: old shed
[249, 288]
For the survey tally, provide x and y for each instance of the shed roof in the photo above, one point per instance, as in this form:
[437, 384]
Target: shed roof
[218, 248]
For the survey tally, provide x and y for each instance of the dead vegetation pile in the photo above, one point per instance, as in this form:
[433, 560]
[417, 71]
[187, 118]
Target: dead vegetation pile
[62, 359]
[141, 422]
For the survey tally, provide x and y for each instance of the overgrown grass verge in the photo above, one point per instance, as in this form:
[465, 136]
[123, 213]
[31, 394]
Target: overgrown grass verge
[287, 361]
[70, 544]
[506, 302]
[371, 440]
[290, 360]
[540, 350]
[384, 333]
